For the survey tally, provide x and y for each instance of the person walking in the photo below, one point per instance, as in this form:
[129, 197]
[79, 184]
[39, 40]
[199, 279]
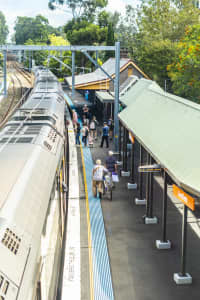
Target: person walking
[97, 178]
[78, 132]
[85, 132]
[111, 127]
[105, 135]
[93, 127]
[74, 118]
[111, 166]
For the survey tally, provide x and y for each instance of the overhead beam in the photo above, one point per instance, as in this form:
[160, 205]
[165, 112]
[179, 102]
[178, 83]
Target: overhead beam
[97, 65]
[61, 62]
[55, 48]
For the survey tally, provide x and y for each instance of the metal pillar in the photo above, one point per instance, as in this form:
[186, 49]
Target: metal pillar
[184, 242]
[97, 56]
[150, 213]
[164, 243]
[120, 142]
[73, 74]
[116, 105]
[29, 65]
[125, 154]
[140, 173]
[164, 213]
[60, 62]
[5, 72]
[147, 188]
[132, 163]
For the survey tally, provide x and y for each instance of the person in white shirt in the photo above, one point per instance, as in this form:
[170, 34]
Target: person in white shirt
[97, 178]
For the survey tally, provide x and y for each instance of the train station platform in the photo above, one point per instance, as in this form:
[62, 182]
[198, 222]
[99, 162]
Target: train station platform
[138, 270]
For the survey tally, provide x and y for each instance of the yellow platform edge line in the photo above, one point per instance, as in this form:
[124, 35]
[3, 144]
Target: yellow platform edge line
[89, 229]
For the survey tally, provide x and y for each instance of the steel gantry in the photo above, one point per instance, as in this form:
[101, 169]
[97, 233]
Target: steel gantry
[73, 49]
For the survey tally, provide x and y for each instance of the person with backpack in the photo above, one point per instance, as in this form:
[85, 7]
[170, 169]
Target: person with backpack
[85, 132]
[78, 132]
[98, 172]
[105, 135]
[93, 127]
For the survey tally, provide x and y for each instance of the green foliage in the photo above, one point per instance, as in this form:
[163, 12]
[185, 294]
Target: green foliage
[127, 28]
[37, 29]
[160, 26]
[185, 69]
[82, 32]
[110, 41]
[3, 29]
[80, 8]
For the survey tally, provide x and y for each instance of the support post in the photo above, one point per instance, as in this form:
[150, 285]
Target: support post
[149, 219]
[183, 277]
[150, 213]
[116, 105]
[120, 142]
[132, 184]
[5, 72]
[97, 56]
[73, 74]
[184, 241]
[60, 62]
[141, 201]
[164, 243]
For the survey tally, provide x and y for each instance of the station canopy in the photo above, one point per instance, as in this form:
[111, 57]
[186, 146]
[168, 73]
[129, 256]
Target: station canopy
[139, 87]
[98, 79]
[167, 126]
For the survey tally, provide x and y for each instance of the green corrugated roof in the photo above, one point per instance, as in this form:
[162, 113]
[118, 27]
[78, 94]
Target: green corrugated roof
[168, 126]
[137, 89]
[105, 97]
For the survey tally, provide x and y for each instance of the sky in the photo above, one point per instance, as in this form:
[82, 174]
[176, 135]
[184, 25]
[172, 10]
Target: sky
[30, 8]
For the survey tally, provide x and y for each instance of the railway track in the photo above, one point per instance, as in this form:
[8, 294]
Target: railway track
[16, 95]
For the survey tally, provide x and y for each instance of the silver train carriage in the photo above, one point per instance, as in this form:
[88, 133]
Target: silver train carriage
[31, 203]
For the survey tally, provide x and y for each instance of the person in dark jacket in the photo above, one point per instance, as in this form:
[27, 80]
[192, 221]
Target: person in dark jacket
[111, 163]
[105, 135]
[78, 132]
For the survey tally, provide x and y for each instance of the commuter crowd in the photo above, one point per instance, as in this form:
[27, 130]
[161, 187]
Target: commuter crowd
[88, 133]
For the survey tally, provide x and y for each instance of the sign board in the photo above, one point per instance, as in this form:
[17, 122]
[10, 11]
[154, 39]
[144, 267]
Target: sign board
[131, 138]
[185, 198]
[149, 168]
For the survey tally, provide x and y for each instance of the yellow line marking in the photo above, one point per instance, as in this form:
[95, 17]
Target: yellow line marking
[89, 229]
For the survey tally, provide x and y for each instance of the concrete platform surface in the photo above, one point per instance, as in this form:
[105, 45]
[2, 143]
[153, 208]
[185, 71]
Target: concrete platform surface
[140, 271]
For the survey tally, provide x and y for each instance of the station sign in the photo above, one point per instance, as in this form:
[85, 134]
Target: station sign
[185, 198]
[131, 138]
[149, 168]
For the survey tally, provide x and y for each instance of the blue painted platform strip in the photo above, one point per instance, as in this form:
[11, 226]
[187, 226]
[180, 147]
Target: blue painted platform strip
[103, 289]
[69, 101]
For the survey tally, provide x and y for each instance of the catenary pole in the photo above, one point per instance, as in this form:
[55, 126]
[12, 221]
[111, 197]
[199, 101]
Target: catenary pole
[116, 104]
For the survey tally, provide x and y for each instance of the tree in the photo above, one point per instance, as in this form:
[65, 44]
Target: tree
[35, 29]
[110, 41]
[66, 56]
[80, 32]
[160, 26]
[184, 71]
[3, 29]
[127, 28]
[80, 8]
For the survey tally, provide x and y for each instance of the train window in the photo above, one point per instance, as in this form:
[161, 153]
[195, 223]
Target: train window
[1, 280]
[24, 140]
[11, 241]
